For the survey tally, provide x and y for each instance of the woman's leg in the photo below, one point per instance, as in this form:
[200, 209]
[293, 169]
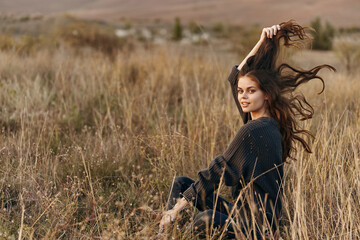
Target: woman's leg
[222, 206]
[180, 185]
[203, 220]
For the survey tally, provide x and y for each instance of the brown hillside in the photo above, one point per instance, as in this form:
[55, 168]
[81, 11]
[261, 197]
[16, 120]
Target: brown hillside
[264, 12]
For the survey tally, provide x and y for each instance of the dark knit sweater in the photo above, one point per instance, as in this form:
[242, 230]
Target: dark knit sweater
[256, 149]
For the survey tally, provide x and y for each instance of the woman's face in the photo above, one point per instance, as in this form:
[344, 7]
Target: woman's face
[252, 99]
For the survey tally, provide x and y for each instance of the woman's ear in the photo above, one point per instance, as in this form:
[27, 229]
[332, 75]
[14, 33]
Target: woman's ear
[266, 97]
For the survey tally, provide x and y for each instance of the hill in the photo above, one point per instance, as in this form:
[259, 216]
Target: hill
[339, 13]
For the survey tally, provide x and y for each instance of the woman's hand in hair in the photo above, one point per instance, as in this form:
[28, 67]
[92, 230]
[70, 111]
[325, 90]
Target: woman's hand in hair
[269, 32]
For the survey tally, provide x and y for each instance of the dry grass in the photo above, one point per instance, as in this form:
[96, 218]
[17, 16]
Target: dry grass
[89, 145]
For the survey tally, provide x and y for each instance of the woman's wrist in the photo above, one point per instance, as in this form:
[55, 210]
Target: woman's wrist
[180, 205]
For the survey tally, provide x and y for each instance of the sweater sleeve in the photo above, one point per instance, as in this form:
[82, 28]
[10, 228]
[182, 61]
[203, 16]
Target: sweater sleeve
[233, 83]
[232, 163]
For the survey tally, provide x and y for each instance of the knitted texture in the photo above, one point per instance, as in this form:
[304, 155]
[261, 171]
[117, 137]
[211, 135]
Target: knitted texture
[254, 157]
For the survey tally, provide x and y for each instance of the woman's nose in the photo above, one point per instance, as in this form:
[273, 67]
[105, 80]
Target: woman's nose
[244, 95]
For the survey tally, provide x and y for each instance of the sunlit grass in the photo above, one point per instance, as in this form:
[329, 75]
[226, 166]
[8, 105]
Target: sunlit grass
[90, 145]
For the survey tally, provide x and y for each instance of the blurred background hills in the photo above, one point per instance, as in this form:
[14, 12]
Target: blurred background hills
[340, 13]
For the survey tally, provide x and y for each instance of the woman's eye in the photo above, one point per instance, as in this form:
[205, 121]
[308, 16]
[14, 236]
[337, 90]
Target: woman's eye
[252, 91]
[240, 91]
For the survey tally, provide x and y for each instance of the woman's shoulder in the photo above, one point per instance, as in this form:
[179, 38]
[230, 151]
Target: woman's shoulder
[257, 128]
[263, 122]
[260, 128]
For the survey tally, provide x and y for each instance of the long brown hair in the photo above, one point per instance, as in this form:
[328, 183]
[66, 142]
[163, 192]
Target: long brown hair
[279, 83]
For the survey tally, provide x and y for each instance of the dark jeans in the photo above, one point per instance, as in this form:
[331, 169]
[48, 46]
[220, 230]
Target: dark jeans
[203, 220]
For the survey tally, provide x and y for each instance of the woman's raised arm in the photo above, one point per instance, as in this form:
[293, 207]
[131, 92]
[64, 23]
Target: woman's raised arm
[268, 32]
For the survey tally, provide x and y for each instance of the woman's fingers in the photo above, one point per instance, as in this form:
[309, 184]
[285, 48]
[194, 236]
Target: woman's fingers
[274, 28]
[271, 31]
[268, 32]
[265, 34]
[166, 219]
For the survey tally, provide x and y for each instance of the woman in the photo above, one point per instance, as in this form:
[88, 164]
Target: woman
[253, 163]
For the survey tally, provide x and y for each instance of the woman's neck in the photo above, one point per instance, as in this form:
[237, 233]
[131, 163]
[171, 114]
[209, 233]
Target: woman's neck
[256, 115]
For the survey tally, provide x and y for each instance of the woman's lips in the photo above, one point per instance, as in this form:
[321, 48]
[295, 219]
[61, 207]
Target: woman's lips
[244, 104]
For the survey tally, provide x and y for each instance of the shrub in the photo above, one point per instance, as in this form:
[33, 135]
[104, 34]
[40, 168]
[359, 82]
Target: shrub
[81, 34]
[177, 31]
[24, 19]
[6, 42]
[323, 35]
[349, 30]
[347, 49]
[218, 27]
[195, 28]
[23, 45]
[27, 45]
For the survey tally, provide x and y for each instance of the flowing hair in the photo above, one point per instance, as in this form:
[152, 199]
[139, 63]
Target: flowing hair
[280, 82]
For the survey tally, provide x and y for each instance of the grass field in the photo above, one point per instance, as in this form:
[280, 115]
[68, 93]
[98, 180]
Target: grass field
[89, 144]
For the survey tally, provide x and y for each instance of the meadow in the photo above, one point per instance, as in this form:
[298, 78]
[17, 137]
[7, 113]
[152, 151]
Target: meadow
[89, 143]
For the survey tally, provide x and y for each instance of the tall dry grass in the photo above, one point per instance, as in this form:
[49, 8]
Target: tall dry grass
[89, 145]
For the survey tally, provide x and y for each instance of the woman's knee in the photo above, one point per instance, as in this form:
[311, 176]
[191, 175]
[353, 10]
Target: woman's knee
[203, 219]
[182, 181]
